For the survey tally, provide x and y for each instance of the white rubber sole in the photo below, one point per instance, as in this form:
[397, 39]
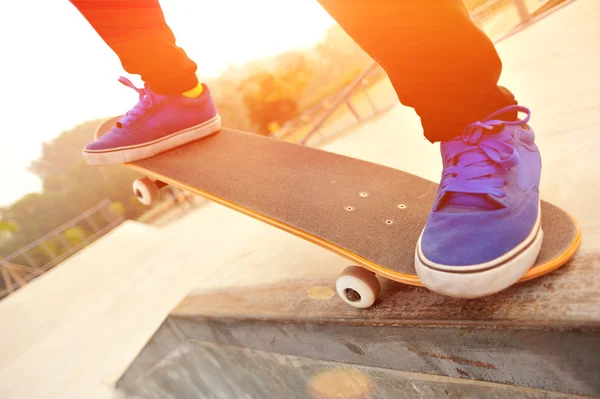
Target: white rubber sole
[134, 153]
[485, 279]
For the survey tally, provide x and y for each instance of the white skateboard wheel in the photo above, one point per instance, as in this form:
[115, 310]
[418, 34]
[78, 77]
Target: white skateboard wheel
[146, 190]
[358, 287]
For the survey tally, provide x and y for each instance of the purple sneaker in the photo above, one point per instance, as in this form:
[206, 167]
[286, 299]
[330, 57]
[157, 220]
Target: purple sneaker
[483, 233]
[157, 123]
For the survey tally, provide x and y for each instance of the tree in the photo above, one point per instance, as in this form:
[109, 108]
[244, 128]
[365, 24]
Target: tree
[70, 187]
[6, 226]
[272, 97]
[229, 102]
[62, 152]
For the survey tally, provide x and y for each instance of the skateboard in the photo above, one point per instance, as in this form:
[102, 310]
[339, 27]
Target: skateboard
[370, 214]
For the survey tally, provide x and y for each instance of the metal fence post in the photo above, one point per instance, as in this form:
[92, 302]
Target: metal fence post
[523, 11]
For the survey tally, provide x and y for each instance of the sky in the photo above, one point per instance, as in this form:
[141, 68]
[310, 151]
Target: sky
[55, 71]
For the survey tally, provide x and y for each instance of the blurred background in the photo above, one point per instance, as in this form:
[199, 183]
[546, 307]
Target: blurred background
[88, 274]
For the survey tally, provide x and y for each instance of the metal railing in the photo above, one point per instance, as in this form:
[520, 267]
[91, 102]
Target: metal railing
[29, 262]
[525, 12]
[310, 126]
[488, 8]
[371, 74]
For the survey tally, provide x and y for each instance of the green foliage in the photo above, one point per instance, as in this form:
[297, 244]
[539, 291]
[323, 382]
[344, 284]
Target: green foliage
[75, 235]
[117, 208]
[338, 61]
[6, 226]
[272, 96]
[70, 187]
[60, 154]
[229, 101]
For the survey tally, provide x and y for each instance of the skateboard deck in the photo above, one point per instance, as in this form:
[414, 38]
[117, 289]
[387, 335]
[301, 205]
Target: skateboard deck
[368, 213]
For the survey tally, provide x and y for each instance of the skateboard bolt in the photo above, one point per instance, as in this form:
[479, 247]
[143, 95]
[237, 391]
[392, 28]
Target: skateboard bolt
[349, 208]
[352, 295]
[402, 206]
[389, 221]
[364, 194]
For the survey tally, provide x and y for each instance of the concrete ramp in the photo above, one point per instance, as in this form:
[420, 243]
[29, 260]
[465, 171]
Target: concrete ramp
[542, 335]
[60, 320]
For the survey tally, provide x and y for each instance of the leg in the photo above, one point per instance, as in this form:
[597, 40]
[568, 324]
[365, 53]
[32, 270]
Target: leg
[138, 33]
[439, 62]
[173, 107]
[483, 233]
